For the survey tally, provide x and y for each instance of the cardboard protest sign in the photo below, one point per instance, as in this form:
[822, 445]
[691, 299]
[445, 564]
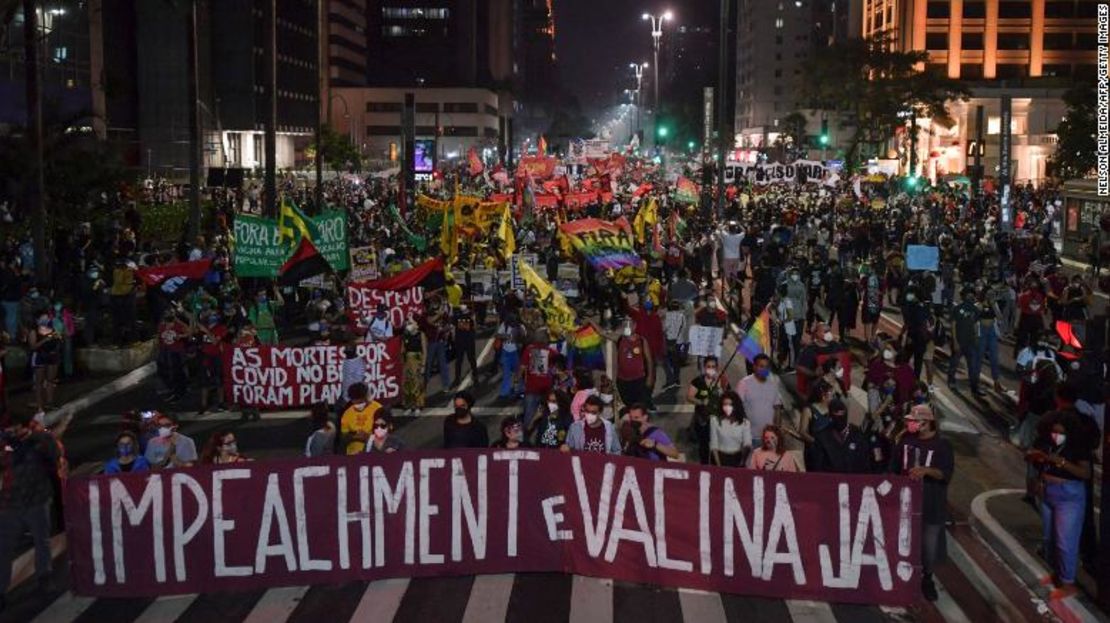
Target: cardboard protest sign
[922, 257]
[364, 265]
[482, 284]
[566, 280]
[706, 341]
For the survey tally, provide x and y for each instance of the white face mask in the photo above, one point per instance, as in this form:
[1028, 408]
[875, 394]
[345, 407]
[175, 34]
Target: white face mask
[627, 331]
[711, 372]
[839, 373]
[606, 398]
[164, 431]
[380, 433]
[888, 355]
[1059, 438]
[553, 407]
[727, 409]
[591, 418]
[828, 336]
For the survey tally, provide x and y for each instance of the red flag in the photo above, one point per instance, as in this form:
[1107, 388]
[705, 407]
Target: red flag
[542, 145]
[474, 162]
[428, 275]
[305, 262]
[174, 280]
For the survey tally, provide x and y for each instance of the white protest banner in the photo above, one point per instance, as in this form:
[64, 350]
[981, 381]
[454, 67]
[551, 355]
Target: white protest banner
[706, 341]
[566, 280]
[364, 264]
[297, 376]
[364, 300]
[482, 284]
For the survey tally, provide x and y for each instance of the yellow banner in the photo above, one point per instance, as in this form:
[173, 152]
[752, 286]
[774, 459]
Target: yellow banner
[560, 316]
[432, 205]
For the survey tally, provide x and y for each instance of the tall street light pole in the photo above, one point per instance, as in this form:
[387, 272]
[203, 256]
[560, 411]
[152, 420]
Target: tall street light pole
[656, 35]
[638, 70]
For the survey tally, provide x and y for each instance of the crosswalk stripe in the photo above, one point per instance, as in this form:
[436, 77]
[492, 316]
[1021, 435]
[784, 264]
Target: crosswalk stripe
[489, 598]
[591, 600]
[701, 606]
[947, 606]
[166, 609]
[65, 609]
[804, 611]
[23, 567]
[381, 600]
[276, 604]
[979, 579]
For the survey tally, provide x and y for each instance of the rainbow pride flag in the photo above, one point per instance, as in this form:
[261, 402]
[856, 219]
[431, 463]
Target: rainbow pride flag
[587, 349]
[606, 245]
[758, 338]
[686, 191]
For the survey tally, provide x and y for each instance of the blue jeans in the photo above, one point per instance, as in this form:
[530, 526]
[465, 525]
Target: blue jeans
[509, 363]
[988, 350]
[531, 403]
[437, 352]
[1062, 522]
[11, 319]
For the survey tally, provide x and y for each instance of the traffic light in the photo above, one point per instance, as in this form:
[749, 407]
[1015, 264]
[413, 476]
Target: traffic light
[824, 132]
[691, 145]
[662, 131]
[824, 139]
[911, 182]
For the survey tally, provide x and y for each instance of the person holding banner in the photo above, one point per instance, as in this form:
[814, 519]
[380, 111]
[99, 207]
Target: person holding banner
[262, 316]
[592, 433]
[222, 448]
[771, 455]
[357, 423]
[462, 430]
[383, 440]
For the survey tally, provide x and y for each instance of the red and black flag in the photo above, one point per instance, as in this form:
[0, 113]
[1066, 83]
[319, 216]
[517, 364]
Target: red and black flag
[428, 275]
[305, 262]
[175, 280]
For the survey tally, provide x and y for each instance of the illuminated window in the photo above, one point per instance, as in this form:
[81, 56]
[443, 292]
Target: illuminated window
[415, 13]
[778, 22]
[994, 125]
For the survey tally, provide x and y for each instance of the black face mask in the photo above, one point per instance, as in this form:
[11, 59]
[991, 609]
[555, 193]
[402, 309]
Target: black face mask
[461, 412]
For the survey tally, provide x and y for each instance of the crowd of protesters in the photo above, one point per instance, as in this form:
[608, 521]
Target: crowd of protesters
[824, 262]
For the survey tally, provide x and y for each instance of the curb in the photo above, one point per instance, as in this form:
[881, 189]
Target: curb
[60, 418]
[1036, 576]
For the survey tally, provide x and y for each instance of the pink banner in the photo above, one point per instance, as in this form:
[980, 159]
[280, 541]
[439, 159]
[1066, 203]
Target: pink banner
[264, 524]
[299, 376]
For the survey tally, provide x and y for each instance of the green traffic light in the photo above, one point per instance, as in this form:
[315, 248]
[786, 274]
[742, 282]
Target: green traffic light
[824, 139]
[662, 131]
[912, 181]
[691, 145]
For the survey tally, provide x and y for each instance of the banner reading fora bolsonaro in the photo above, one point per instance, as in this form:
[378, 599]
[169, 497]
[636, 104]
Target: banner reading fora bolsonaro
[333, 520]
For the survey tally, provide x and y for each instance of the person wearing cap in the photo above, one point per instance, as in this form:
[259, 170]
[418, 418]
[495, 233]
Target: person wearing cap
[922, 454]
[965, 340]
[380, 328]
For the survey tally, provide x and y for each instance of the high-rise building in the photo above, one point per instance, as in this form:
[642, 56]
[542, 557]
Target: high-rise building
[535, 49]
[992, 39]
[775, 41]
[346, 40]
[1028, 50]
[439, 43]
[691, 52]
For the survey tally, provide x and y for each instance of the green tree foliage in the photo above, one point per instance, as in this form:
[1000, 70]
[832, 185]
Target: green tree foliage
[338, 152]
[1075, 151]
[871, 85]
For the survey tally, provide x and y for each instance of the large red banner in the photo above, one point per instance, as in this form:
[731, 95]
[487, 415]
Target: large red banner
[410, 514]
[297, 376]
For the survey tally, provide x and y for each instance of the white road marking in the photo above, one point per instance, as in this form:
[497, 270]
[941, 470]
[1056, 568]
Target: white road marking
[591, 600]
[489, 598]
[166, 609]
[64, 609]
[381, 600]
[276, 604]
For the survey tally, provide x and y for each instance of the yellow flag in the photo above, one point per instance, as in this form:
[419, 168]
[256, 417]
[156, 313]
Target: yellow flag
[449, 237]
[505, 233]
[560, 316]
[648, 214]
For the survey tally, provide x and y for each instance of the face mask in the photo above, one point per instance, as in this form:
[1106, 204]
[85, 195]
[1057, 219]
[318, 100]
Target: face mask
[712, 304]
[839, 373]
[762, 374]
[552, 407]
[795, 277]
[888, 355]
[461, 412]
[261, 300]
[828, 336]
[627, 331]
[125, 449]
[231, 448]
[380, 433]
[606, 398]
[57, 307]
[919, 400]
[910, 298]
[770, 443]
[727, 409]
[913, 426]
[164, 431]
[591, 418]
[711, 372]
[1059, 438]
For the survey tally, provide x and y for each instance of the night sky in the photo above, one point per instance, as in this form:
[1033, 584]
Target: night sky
[595, 40]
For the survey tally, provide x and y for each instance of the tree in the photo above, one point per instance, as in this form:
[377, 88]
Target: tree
[1075, 149]
[873, 85]
[337, 152]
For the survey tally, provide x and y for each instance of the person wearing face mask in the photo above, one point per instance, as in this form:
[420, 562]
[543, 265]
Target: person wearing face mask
[170, 448]
[730, 435]
[465, 336]
[213, 337]
[462, 430]
[28, 463]
[592, 433]
[127, 458]
[841, 447]
[915, 334]
[761, 393]
[798, 293]
[380, 327]
[357, 422]
[222, 448]
[635, 366]
[414, 348]
[383, 440]
[705, 393]
[871, 287]
[552, 421]
[322, 440]
[821, 348]
[922, 454]
[965, 340]
[771, 455]
[61, 318]
[261, 315]
[45, 345]
[512, 434]
[640, 439]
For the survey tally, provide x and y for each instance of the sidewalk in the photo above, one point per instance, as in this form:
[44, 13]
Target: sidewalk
[1012, 528]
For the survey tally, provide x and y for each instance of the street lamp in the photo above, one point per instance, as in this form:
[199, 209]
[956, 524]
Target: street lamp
[638, 70]
[656, 35]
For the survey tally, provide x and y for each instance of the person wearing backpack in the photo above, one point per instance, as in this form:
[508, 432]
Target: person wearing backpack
[642, 440]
